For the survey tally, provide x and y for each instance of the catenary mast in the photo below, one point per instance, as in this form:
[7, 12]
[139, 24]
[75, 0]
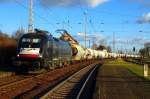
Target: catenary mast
[30, 25]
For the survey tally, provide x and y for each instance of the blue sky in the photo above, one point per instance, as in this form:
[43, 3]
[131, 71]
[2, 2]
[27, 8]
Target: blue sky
[103, 18]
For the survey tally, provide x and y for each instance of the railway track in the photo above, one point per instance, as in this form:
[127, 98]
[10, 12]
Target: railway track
[75, 87]
[14, 85]
[8, 80]
[17, 77]
[36, 85]
[5, 81]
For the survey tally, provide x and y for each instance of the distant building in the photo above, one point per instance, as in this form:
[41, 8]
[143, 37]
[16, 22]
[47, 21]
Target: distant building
[147, 49]
[147, 44]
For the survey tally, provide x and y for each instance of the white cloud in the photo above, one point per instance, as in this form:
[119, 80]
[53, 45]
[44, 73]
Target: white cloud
[94, 3]
[97, 37]
[81, 34]
[70, 3]
[63, 3]
[144, 19]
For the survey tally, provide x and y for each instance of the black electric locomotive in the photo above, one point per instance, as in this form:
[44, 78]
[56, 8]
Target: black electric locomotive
[41, 50]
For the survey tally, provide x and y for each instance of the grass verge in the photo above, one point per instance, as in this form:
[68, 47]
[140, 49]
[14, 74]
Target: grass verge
[133, 68]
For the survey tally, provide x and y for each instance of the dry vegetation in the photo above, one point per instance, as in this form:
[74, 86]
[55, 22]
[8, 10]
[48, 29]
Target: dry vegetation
[7, 50]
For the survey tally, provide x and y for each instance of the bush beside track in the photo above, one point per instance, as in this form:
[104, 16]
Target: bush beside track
[7, 50]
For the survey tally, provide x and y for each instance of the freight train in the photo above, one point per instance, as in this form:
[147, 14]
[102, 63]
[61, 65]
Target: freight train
[41, 50]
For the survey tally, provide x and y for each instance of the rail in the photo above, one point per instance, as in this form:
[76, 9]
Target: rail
[85, 83]
[77, 83]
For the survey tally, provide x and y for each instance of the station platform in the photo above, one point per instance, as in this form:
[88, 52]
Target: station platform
[115, 81]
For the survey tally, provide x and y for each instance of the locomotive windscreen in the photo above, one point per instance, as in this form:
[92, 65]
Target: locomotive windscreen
[30, 43]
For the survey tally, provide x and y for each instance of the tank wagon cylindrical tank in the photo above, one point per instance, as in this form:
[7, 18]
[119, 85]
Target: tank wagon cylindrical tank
[78, 52]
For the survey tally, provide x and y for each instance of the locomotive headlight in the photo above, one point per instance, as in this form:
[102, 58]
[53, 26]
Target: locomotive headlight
[18, 55]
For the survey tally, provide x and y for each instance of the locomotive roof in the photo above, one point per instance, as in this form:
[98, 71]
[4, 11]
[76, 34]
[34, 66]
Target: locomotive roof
[37, 33]
[42, 34]
[34, 35]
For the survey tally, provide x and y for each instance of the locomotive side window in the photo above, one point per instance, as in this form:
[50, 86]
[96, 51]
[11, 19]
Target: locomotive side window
[26, 40]
[50, 48]
[36, 40]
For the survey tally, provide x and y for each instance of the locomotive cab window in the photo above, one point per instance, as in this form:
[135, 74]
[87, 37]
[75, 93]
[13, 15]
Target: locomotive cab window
[29, 42]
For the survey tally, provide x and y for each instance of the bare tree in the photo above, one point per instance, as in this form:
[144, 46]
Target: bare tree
[101, 47]
[18, 33]
[2, 34]
[109, 49]
[142, 52]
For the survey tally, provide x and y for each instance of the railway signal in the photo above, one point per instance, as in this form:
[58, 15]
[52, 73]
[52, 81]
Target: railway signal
[133, 49]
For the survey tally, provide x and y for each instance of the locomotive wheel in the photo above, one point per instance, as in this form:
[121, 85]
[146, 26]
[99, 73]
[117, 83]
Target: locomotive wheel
[36, 66]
